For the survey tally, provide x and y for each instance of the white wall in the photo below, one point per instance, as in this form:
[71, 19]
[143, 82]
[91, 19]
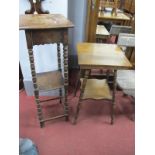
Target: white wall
[45, 55]
[77, 11]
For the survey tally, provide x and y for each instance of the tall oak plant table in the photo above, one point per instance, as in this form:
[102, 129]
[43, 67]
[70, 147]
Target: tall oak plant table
[43, 29]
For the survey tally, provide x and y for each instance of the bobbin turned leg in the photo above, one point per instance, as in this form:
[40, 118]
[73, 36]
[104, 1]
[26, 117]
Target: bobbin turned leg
[113, 97]
[65, 55]
[59, 68]
[77, 83]
[87, 72]
[36, 91]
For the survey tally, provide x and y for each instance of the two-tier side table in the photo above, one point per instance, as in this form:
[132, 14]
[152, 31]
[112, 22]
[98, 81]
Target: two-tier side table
[99, 56]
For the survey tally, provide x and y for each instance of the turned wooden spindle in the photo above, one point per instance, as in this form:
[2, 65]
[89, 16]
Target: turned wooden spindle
[87, 72]
[65, 56]
[59, 67]
[36, 91]
[36, 7]
[113, 97]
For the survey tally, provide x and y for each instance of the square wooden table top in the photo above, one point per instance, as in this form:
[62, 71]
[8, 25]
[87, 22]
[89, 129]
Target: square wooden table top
[43, 21]
[99, 55]
[107, 15]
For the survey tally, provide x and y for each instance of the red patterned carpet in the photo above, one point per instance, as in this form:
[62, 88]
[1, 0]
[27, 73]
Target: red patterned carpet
[92, 135]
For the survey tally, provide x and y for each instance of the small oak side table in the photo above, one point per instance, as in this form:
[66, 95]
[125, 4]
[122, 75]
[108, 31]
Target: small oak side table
[99, 56]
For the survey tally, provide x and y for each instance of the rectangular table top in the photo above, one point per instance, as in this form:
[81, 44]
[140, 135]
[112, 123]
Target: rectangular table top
[107, 15]
[98, 55]
[101, 30]
[43, 21]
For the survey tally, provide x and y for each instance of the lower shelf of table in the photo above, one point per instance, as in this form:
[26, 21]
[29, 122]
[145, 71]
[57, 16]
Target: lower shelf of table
[97, 89]
[50, 80]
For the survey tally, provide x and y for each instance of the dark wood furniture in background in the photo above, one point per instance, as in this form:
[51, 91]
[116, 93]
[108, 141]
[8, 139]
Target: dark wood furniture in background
[91, 21]
[96, 14]
[129, 6]
[114, 4]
